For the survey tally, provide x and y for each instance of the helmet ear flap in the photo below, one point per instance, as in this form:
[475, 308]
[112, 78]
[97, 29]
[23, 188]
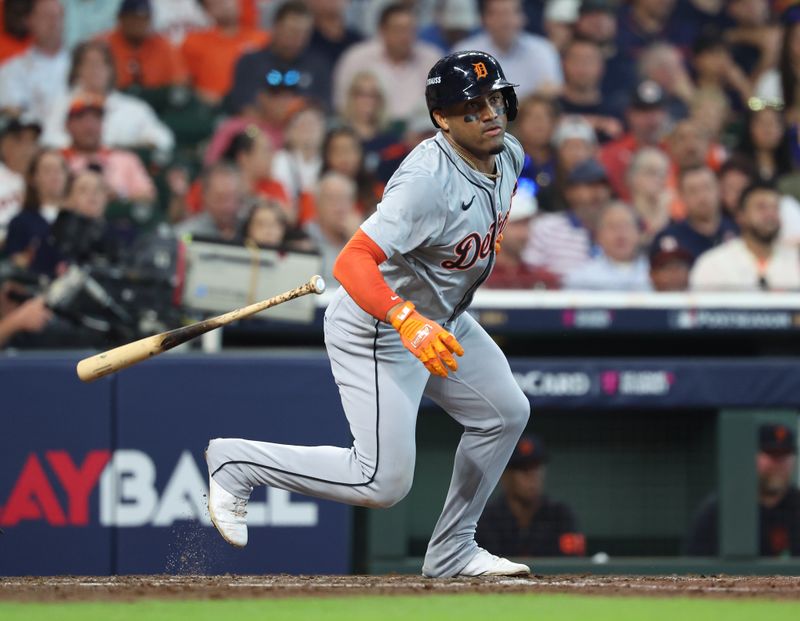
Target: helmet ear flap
[511, 103]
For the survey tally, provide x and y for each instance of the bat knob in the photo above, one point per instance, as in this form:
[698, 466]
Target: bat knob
[318, 283]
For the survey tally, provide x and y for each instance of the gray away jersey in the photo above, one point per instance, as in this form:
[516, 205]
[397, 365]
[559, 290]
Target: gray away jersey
[437, 224]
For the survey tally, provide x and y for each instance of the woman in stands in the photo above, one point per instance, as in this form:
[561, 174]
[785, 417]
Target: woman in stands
[765, 141]
[364, 111]
[26, 242]
[342, 152]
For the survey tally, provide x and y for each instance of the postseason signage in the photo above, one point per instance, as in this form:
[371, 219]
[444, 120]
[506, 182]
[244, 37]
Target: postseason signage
[656, 384]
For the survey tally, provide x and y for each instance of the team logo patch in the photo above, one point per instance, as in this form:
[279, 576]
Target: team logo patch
[420, 336]
[480, 70]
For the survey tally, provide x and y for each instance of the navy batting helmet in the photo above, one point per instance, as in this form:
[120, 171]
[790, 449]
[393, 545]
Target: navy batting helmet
[466, 75]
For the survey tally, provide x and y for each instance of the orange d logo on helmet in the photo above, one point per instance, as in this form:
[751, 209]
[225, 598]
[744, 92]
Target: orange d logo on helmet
[480, 70]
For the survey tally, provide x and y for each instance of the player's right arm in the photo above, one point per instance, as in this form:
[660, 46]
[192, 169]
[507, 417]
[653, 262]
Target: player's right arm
[411, 213]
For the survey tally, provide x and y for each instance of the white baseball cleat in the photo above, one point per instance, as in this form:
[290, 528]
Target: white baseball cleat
[228, 514]
[485, 564]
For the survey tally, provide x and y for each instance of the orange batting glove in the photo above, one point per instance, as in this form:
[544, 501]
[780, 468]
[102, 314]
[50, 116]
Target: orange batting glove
[426, 339]
[497, 243]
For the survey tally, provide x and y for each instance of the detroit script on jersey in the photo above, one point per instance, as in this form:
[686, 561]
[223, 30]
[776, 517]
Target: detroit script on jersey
[437, 224]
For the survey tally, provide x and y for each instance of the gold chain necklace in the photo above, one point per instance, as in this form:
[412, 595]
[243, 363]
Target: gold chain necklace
[463, 155]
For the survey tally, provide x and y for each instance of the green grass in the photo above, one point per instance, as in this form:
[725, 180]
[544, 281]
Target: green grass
[501, 607]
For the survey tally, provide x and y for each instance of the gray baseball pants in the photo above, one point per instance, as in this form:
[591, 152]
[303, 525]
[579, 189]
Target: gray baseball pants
[381, 384]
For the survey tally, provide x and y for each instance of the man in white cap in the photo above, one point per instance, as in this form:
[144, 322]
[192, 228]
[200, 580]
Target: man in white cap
[453, 21]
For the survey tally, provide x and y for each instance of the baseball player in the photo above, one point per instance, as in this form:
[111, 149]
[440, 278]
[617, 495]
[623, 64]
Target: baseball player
[395, 327]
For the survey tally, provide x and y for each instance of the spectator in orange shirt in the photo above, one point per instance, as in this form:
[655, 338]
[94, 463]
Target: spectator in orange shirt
[122, 170]
[14, 36]
[211, 55]
[141, 57]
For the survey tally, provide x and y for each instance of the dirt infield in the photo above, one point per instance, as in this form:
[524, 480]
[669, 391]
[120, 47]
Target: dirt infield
[127, 588]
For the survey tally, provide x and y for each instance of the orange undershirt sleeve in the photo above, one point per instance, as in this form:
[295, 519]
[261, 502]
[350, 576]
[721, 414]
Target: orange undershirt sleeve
[356, 268]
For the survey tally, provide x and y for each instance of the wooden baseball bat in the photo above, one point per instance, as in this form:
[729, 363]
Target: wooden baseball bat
[113, 360]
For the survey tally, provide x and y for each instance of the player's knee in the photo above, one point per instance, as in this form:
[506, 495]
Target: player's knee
[387, 493]
[218, 448]
[517, 413]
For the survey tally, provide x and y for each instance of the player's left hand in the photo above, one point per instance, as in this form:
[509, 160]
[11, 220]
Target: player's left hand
[426, 339]
[497, 243]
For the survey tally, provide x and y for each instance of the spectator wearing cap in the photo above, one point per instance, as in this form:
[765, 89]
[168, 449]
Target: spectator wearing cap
[584, 66]
[669, 265]
[278, 97]
[757, 260]
[561, 242]
[510, 271]
[128, 122]
[84, 19]
[646, 118]
[331, 35]
[122, 170]
[18, 142]
[14, 33]
[778, 500]
[536, 121]
[524, 520]
[558, 21]
[223, 205]
[287, 54]
[647, 178]
[453, 21]
[396, 57]
[705, 226]
[142, 58]
[32, 80]
[619, 266]
[504, 38]
[574, 141]
[211, 55]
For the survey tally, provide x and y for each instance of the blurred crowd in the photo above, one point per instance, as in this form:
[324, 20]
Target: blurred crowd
[661, 136]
